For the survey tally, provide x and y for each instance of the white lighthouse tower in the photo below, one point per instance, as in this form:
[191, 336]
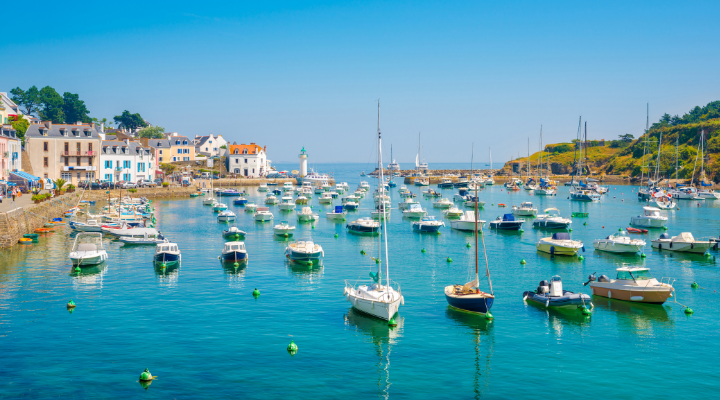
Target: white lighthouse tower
[303, 162]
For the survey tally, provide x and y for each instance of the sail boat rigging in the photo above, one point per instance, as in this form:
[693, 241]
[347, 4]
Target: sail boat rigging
[579, 190]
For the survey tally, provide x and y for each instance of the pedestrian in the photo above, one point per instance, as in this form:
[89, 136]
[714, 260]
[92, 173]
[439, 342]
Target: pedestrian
[13, 195]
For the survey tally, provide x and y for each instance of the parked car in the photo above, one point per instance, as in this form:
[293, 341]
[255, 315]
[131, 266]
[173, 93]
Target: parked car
[158, 181]
[146, 183]
[107, 185]
[126, 185]
[95, 186]
[83, 185]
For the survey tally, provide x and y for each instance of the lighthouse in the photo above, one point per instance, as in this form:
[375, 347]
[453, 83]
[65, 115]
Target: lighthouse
[303, 162]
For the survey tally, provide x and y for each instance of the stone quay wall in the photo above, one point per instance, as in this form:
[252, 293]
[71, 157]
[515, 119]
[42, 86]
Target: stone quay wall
[15, 223]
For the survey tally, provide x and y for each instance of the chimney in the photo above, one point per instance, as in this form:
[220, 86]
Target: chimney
[78, 123]
[48, 124]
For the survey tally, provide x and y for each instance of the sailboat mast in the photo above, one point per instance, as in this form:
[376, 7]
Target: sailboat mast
[382, 202]
[677, 142]
[477, 276]
[702, 157]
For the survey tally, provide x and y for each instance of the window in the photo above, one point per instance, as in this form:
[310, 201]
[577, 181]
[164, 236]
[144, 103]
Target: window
[185, 142]
[78, 147]
[173, 158]
[78, 162]
[186, 158]
[127, 164]
[67, 161]
[160, 152]
[89, 146]
[177, 142]
[160, 159]
[237, 160]
[67, 147]
[45, 146]
[179, 151]
[66, 176]
[90, 176]
[246, 161]
[206, 149]
[78, 176]
[46, 176]
[186, 151]
[108, 164]
[45, 161]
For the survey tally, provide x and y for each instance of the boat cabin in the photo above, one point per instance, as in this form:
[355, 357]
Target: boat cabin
[561, 236]
[167, 248]
[234, 246]
[634, 274]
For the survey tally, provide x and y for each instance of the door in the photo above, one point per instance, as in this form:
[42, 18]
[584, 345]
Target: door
[246, 172]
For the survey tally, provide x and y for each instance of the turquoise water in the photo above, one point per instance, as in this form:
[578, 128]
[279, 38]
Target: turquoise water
[199, 329]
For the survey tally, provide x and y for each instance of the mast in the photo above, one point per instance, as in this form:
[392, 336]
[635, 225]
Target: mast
[643, 166]
[382, 202]
[702, 157]
[528, 160]
[477, 277]
[677, 142]
[575, 158]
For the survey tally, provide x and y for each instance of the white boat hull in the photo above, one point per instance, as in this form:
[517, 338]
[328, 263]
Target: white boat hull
[286, 207]
[80, 258]
[262, 218]
[647, 222]
[682, 247]
[465, 225]
[378, 309]
[612, 247]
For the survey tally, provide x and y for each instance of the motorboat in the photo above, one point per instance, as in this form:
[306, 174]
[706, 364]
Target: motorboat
[301, 200]
[167, 253]
[364, 186]
[460, 197]
[304, 251]
[651, 218]
[578, 193]
[263, 214]
[91, 225]
[559, 244]
[271, 200]
[307, 215]
[686, 193]
[467, 222]
[284, 229]
[453, 212]
[407, 203]
[526, 209]
[234, 252]
[364, 226]
[414, 211]
[234, 232]
[250, 207]
[263, 187]
[288, 187]
[545, 190]
[422, 182]
[227, 193]
[143, 239]
[88, 249]
[325, 198]
[240, 201]
[334, 194]
[462, 182]
[381, 211]
[431, 193]
[337, 215]
[619, 242]
[684, 243]
[708, 194]
[218, 207]
[226, 216]
[128, 231]
[471, 200]
[209, 201]
[551, 220]
[632, 284]
[551, 295]
[507, 222]
[319, 190]
[445, 183]
[427, 224]
[443, 203]
[351, 205]
[287, 204]
[663, 201]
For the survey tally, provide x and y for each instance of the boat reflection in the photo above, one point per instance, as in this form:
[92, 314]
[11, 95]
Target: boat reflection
[484, 341]
[168, 273]
[557, 316]
[638, 317]
[377, 332]
[561, 260]
[620, 259]
[305, 269]
[234, 269]
[90, 276]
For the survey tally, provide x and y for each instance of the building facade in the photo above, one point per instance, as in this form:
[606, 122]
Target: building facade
[210, 145]
[10, 151]
[248, 160]
[8, 109]
[70, 152]
[181, 149]
[126, 161]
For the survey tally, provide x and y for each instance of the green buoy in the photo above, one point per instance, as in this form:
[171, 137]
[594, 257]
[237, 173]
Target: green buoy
[292, 348]
[488, 315]
[581, 258]
[619, 229]
[642, 255]
[468, 245]
[520, 230]
[256, 293]
[694, 285]
[313, 227]
[584, 223]
[146, 376]
[422, 251]
[71, 304]
[362, 252]
[236, 264]
[449, 259]
[665, 227]
[523, 262]
[688, 310]
[585, 311]
[77, 269]
[377, 261]
[336, 235]
[570, 230]
[391, 322]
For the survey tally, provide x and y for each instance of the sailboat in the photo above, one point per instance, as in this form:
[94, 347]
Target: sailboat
[393, 167]
[705, 193]
[210, 201]
[468, 297]
[579, 190]
[645, 193]
[420, 166]
[490, 181]
[530, 184]
[375, 299]
[545, 188]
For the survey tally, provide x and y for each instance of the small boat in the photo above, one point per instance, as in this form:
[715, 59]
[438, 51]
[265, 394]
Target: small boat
[250, 207]
[453, 212]
[272, 183]
[210, 201]
[263, 188]
[227, 192]
[337, 215]
[407, 203]
[263, 214]
[277, 192]
[684, 243]
[415, 211]
[126, 230]
[88, 249]
[428, 225]
[234, 232]
[271, 200]
[234, 252]
[619, 242]
[218, 207]
[351, 205]
[304, 251]
[443, 203]
[287, 204]
[467, 222]
[507, 222]
[577, 193]
[552, 295]
[90, 225]
[686, 193]
[364, 186]
[241, 201]
[194, 194]
[143, 239]
[381, 211]
[226, 216]
[631, 284]
[559, 244]
[431, 193]
[422, 182]
[446, 183]
[301, 200]
[708, 194]
[167, 253]
[636, 230]
[651, 218]
[526, 209]
[551, 220]
[471, 200]
[284, 229]
[288, 187]
[502, 205]
[325, 198]
[307, 215]
[364, 226]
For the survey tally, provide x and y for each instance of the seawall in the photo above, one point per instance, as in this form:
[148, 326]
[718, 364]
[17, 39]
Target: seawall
[15, 223]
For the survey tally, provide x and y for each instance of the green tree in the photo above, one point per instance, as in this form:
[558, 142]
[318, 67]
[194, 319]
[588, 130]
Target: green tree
[59, 183]
[223, 146]
[627, 137]
[103, 121]
[151, 132]
[130, 121]
[51, 106]
[21, 126]
[29, 99]
[167, 168]
[75, 109]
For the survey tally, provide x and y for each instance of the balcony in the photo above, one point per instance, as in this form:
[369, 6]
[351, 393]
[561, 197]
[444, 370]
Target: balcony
[80, 153]
[79, 168]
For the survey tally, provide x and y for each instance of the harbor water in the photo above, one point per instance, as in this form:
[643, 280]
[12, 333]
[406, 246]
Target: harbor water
[199, 329]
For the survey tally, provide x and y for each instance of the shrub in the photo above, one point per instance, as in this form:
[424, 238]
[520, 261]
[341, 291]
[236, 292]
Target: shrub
[132, 190]
[166, 184]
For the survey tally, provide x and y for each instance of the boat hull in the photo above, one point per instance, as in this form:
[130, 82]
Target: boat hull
[167, 258]
[646, 222]
[234, 256]
[506, 225]
[556, 250]
[610, 247]
[304, 257]
[473, 303]
[696, 248]
[569, 300]
[550, 225]
[425, 228]
[635, 296]
[78, 261]
[465, 225]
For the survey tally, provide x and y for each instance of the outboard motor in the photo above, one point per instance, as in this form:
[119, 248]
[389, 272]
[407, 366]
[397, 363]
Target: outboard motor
[664, 236]
[543, 287]
[604, 278]
[591, 278]
[462, 191]
[556, 286]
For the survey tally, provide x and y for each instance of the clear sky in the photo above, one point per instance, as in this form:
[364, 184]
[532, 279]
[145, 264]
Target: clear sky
[302, 73]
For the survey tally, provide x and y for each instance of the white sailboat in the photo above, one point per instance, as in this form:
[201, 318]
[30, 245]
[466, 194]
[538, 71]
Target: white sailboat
[376, 299]
[420, 166]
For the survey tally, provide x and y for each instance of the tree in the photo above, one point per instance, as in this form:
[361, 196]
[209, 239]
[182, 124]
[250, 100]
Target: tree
[52, 106]
[21, 126]
[103, 121]
[167, 168]
[223, 146]
[59, 183]
[627, 137]
[74, 109]
[130, 121]
[29, 99]
[151, 132]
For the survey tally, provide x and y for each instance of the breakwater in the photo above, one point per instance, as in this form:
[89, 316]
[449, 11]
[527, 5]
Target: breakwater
[17, 222]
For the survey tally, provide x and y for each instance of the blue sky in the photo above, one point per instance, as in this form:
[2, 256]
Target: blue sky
[294, 74]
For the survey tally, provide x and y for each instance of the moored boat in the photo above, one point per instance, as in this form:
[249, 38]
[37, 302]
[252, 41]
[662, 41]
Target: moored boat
[631, 284]
[559, 244]
[234, 252]
[167, 253]
[304, 251]
[552, 295]
[88, 249]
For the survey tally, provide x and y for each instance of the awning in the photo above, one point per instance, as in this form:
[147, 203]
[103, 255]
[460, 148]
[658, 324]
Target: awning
[23, 176]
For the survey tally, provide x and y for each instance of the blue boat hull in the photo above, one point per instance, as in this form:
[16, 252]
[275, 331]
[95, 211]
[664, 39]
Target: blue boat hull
[167, 258]
[478, 305]
[426, 228]
[235, 256]
[240, 202]
[507, 226]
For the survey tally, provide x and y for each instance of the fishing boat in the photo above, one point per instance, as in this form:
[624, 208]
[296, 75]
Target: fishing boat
[422, 182]
[414, 211]
[304, 251]
[351, 205]
[88, 249]
[250, 207]
[559, 244]
[145, 238]
[226, 216]
[271, 200]
[337, 215]
[288, 187]
[364, 226]
[234, 252]
[551, 295]
[218, 207]
[427, 224]
[682, 243]
[407, 203]
[167, 253]
[631, 284]
[364, 186]
[234, 232]
[374, 298]
[333, 194]
[453, 212]
[471, 200]
[467, 222]
[651, 218]
[325, 198]
[277, 192]
[507, 222]
[263, 214]
[443, 203]
[90, 225]
[301, 200]
[307, 215]
[284, 229]
[350, 199]
[287, 204]
[445, 183]
[263, 187]
[126, 230]
[551, 220]
[619, 242]
[526, 209]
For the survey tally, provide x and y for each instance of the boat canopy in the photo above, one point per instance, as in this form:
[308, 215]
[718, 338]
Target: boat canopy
[508, 217]
[561, 236]
[338, 209]
[702, 183]
[685, 237]
[547, 210]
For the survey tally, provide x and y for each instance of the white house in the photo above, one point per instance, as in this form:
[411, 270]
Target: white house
[126, 161]
[248, 160]
[209, 145]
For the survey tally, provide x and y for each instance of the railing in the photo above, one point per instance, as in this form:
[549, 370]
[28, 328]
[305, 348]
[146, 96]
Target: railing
[80, 153]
